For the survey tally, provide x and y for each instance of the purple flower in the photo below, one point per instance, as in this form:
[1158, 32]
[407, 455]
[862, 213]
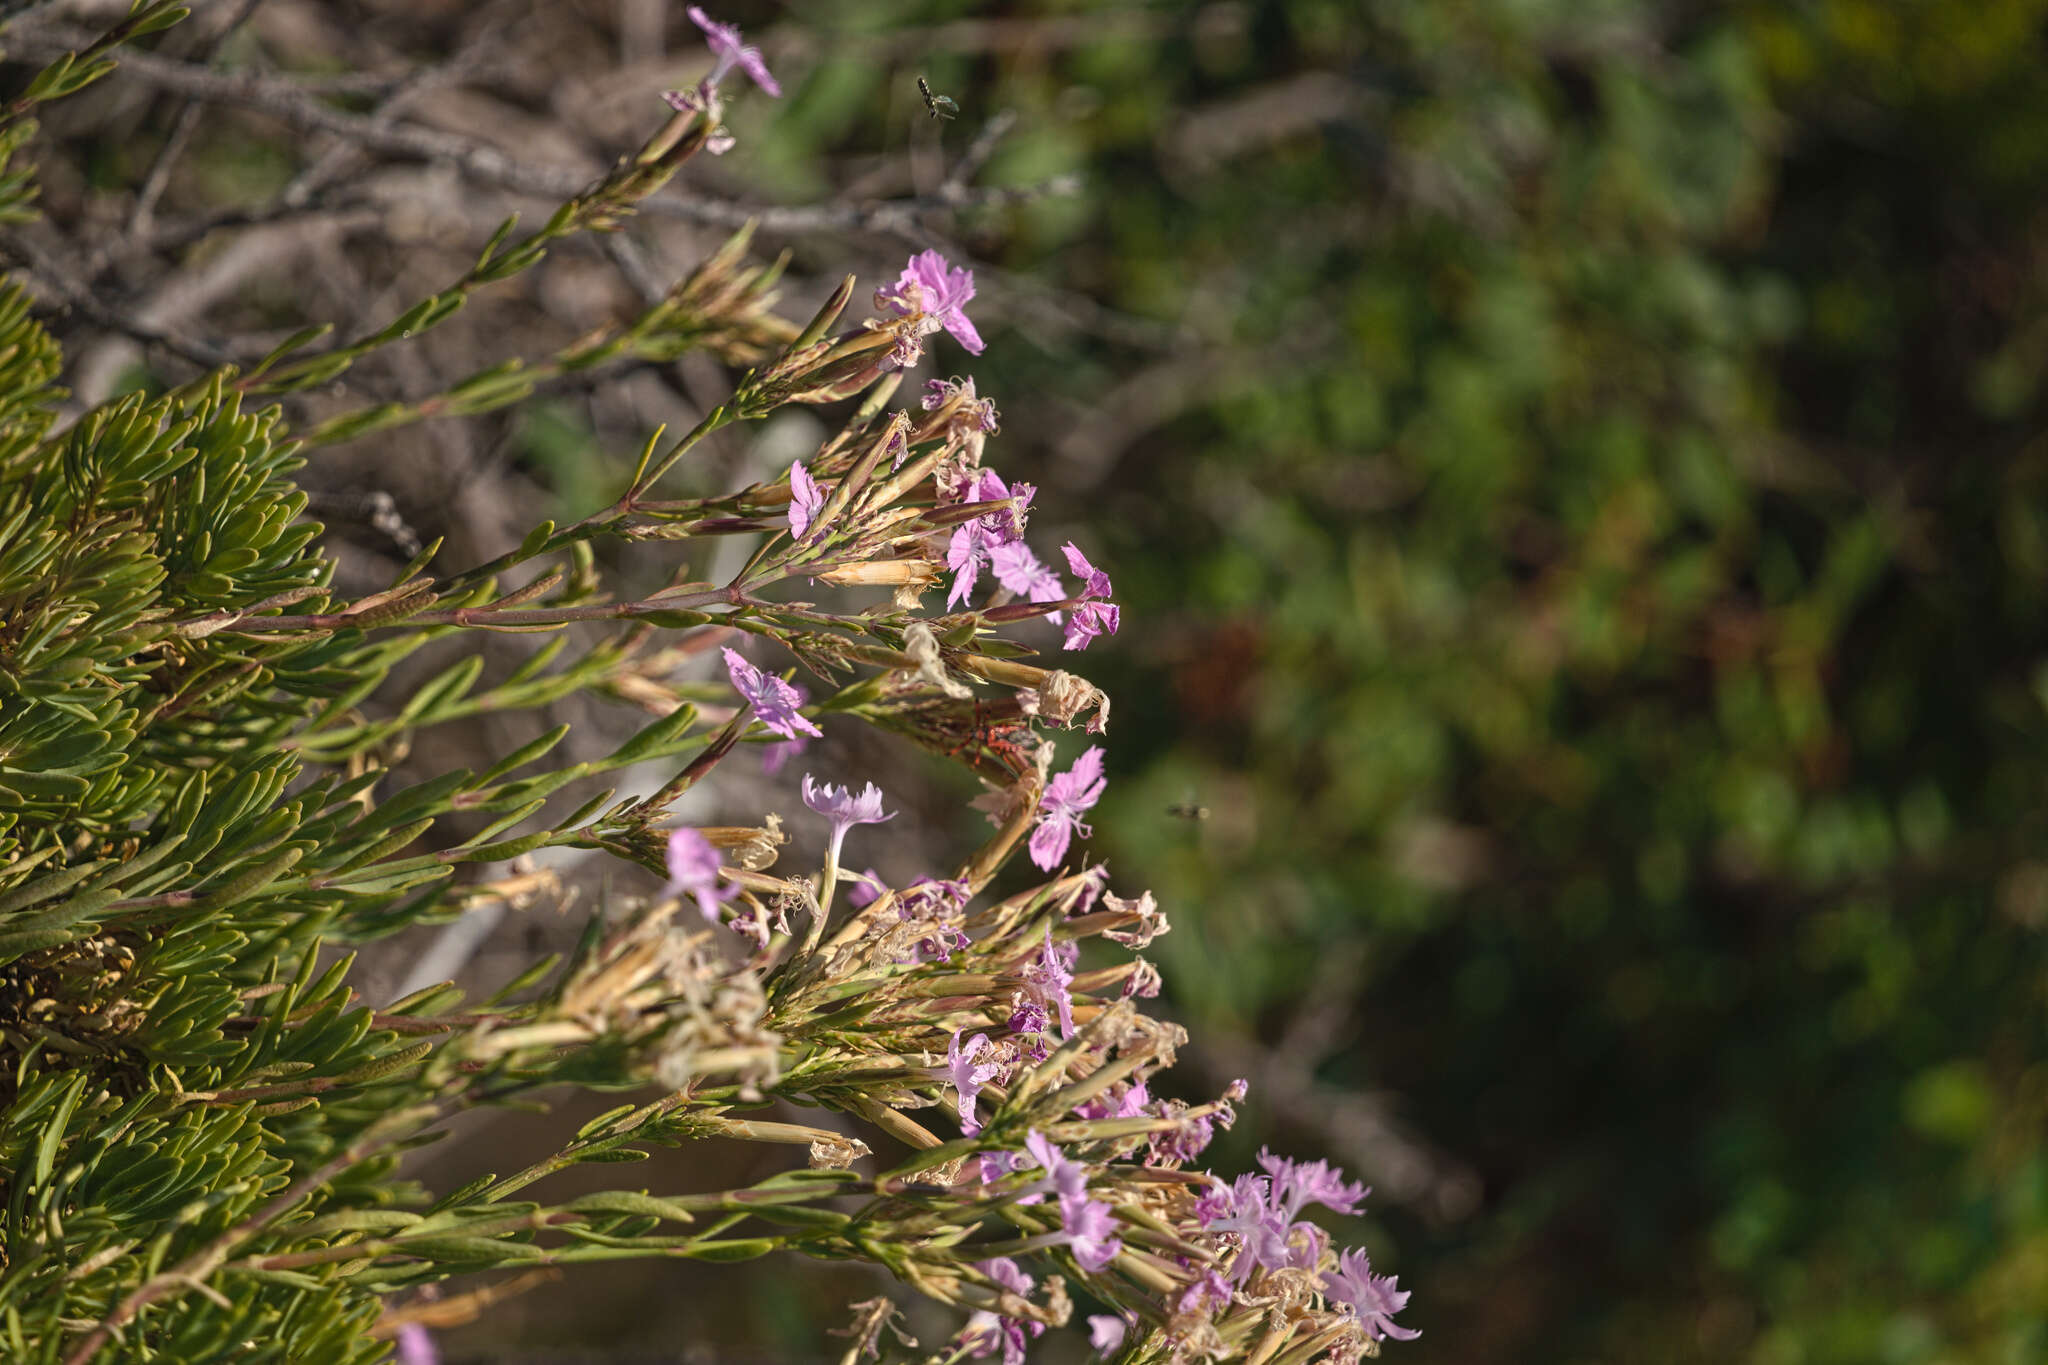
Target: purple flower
[1097, 616]
[774, 700]
[1124, 1100]
[865, 889]
[1020, 571]
[693, 871]
[806, 500]
[1106, 1332]
[1297, 1184]
[774, 757]
[1090, 1229]
[984, 1330]
[416, 1345]
[1050, 977]
[996, 1165]
[1066, 798]
[730, 52]
[1373, 1297]
[1210, 1294]
[845, 810]
[1088, 1226]
[969, 1076]
[1064, 1176]
[1028, 1017]
[931, 286]
[1263, 1211]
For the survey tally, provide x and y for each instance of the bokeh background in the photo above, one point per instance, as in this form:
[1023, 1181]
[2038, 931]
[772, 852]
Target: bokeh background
[1574, 476]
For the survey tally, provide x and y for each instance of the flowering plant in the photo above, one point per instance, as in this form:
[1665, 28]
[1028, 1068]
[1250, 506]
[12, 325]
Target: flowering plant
[202, 1116]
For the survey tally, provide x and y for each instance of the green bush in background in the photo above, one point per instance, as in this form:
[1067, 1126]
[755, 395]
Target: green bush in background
[1587, 454]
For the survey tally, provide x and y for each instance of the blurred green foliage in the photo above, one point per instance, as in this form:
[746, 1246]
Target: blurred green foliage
[1597, 527]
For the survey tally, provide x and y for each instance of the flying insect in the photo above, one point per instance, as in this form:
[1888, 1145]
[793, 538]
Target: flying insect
[938, 106]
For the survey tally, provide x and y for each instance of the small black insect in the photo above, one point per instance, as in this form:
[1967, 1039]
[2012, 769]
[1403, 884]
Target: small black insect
[1188, 810]
[938, 105]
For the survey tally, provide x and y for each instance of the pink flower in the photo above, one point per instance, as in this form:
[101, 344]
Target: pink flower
[1020, 571]
[693, 871]
[969, 1076]
[931, 286]
[1090, 1229]
[1373, 1297]
[975, 541]
[845, 810]
[806, 500]
[1106, 1332]
[775, 756]
[1065, 1177]
[724, 40]
[1066, 798]
[1264, 1211]
[774, 700]
[416, 1345]
[1297, 1184]
[1097, 616]
[985, 1330]
[1049, 980]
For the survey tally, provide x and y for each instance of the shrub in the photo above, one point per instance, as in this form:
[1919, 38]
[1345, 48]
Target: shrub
[202, 1124]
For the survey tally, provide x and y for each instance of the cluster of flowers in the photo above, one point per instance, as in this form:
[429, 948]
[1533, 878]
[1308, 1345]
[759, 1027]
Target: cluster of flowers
[1046, 1065]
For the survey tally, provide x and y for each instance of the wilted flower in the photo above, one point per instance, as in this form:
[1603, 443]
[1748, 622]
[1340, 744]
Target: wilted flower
[724, 40]
[931, 286]
[1151, 920]
[980, 411]
[806, 500]
[693, 871]
[1067, 797]
[845, 810]
[774, 700]
[1373, 1297]
[927, 914]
